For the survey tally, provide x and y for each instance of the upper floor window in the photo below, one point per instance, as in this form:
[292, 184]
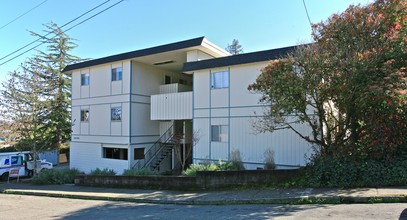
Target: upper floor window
[116, 114]
[219, 133]
[220, 80]
[117, 74]
[85, 79]
[85, 115]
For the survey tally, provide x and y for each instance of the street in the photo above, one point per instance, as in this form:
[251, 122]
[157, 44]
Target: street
[28, 207]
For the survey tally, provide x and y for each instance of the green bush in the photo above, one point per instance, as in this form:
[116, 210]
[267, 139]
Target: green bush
[55, 177]
[140, 172]
[225, 165]
[330, 172]
[104, 172]
[191, 171]
[219, 166]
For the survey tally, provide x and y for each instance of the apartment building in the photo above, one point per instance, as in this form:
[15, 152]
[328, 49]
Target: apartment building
[185, 101]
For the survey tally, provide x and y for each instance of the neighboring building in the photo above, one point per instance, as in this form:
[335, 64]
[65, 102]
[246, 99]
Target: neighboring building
[127, 109]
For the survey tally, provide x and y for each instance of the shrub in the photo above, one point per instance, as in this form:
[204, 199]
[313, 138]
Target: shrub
[140, 172]
[225, 165]
[343, 172]
[269, 163]
[191, 171]
[56, 177]
[104, 172]
[236, 160]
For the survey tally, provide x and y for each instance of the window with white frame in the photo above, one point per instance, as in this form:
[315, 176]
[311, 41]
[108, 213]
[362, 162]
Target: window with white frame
[116, 113]
[84, 115]
[117, 74]
[219, 133]
[85, 79]
[220, 80]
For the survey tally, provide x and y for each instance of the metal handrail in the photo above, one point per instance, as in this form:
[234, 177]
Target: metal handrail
[154, 150]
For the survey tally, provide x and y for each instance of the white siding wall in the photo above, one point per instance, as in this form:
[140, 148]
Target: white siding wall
[76, 84]
[76, 120]
[99, 97]
[196, 55]
[145, 82]
[88, 156]
[100, 81]
[172, 106]
[213, 107]
[174, 87]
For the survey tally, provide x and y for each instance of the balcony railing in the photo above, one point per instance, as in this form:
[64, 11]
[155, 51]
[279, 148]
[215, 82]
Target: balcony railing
[174, 88]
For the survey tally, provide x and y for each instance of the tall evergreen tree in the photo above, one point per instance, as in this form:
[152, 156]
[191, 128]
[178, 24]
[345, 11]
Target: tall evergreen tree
[52, 62]
[37, 98]
[234, 48]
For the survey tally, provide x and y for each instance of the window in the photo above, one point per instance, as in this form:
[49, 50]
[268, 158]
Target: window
[138, 153]
[182, 81]
[116, 114]
[85, 79]
[17, 160]
[115, 153]
[117, 74]
[85, 115]
[167, 80]
[219, 133]
[220, 80]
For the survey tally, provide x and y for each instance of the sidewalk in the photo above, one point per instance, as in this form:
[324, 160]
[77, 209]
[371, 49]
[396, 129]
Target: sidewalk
[225, 197]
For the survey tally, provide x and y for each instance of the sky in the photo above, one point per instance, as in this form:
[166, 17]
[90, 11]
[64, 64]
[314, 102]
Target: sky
[138, 24]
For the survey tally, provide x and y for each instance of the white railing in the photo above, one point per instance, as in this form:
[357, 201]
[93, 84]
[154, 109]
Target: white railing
[174, 88]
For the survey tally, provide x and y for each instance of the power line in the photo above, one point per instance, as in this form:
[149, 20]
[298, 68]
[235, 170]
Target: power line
[21, 48]
[15, 19]
[306, 11]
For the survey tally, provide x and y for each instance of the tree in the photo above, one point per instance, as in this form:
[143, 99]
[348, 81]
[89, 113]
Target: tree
[36, 99]
[234, 48]
[183, 145]
[349, 87]
[23, 102]
[51, 63]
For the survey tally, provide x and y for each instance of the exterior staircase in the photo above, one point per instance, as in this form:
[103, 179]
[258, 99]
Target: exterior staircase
[157, 152]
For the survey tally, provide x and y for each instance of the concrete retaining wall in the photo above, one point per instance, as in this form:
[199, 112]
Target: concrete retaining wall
[157, 182]
[222, 179]
[203, 180]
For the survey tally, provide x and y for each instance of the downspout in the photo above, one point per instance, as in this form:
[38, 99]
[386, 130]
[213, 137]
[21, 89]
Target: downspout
[130, 98]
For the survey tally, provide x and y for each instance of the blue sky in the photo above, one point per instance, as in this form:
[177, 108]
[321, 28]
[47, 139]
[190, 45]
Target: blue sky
[138, 24]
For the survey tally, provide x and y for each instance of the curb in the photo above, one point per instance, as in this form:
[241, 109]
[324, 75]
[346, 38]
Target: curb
[281, 201]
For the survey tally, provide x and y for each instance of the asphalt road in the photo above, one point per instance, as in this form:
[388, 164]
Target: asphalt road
[29, 207]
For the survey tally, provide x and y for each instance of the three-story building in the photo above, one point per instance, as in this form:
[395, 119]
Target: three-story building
[130, 109]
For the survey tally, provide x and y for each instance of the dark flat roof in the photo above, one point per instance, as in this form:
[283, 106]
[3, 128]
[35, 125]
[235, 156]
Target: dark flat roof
[137, 53]
[259, 56]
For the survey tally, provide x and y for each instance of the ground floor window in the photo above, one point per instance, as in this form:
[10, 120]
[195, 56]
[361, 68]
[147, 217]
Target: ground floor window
[138, 153]
[115, 153]
[219, 133]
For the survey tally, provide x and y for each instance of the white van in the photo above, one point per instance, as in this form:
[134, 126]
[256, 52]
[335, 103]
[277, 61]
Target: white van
[19, 164]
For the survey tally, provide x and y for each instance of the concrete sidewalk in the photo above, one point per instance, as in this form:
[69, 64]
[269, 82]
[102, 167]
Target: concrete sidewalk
[224, 197]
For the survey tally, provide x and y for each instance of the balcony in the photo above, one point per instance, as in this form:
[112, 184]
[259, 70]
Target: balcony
[174, 88]
[172, 104]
